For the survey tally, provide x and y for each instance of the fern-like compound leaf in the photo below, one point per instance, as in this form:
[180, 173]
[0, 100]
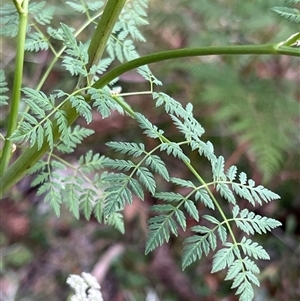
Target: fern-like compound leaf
[83, 7]
[73, 186]
[243, 273]
[211, 219]
[116, 220]
[52, 195]
[43, 15]
[77, 185]
[117, 194]
[171, 105]
[222, 232]
[169, 196]
[181, 219]
[87, 202]
[129, 148]
[3, 89]
[250, 223]
[41, 178]
[79, 7]
[72, 193]
[120, 45]
[76, 136]
[118, 164]
[100, 68]
[36, 42]
[203, 196]
[192, 250]
[191, 209]
[159, 231]
[98, 211]
[158, 166]
[231, 173]
[163, 208]
[76, 57]
[223, 258]
[150, 129]
[38, 102]
[182, 182]
[245, 189]
[196, 245]
[234, 269]
[250, 265]
[82, 107]
[189, 128]
[36, 124]
[38, 166]
[218, 169]
[29, 130]
[91, 162]
[175, 150]
[206, 149]
[146, 178]
[136, 188]
[9, 18]
[226, 192]
[253, 249]
[245, 288]
[104, 102]
[52, 185]
[61, 120]
[172, 210]
[94, 5]
[292, 14]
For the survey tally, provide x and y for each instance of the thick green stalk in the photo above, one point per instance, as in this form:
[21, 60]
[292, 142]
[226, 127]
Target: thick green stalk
[104, 28]
[32, 155]
[265, 49]
[17, 85]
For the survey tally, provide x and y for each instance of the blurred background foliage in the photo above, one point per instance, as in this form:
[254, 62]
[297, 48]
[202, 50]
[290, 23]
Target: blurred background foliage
[249, 106]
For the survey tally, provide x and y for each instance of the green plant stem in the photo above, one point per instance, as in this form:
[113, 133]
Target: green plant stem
[58, 54]
[291, 51]
[102, 33]
[16, 90]
[265, 49]
[188, 165]
[104, 28]
[20, 167]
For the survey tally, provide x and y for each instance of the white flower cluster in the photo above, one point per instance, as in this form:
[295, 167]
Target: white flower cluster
[86, 287]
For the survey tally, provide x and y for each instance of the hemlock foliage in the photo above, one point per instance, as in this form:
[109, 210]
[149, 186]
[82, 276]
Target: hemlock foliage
[290, 13]
[102, 186]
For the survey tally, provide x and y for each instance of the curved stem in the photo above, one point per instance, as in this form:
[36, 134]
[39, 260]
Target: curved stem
[265, 49]
[17, 85]
[32, 155]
